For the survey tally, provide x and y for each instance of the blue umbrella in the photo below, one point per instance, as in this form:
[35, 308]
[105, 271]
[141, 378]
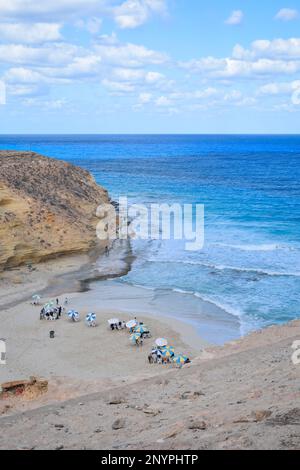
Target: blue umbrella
[73, 315]
[91, 317]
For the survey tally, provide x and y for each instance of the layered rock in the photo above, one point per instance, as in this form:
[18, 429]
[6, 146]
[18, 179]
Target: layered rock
[47, 208]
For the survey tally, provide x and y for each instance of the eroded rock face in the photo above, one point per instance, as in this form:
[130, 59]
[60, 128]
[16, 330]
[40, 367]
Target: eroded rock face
[47, 208]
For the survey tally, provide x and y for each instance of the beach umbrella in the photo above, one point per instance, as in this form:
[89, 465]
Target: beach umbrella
[169, 349]
[113, 321]
[73, 315]
[166, 353]
[135, 337]
[36, 297]
[91, 317]
[161, 342]
[49, 305]
[141, 329]
[131, 324]
[181, 360]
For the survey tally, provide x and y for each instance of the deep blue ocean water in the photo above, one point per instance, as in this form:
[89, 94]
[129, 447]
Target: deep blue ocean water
[250, 186]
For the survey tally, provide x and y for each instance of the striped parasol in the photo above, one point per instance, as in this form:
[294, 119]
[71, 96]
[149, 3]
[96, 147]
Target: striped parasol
[131, 324]
[91, 317]
[180, 360]
[135, 337]
[73, 315]
[170, 349]
[161, 342]
[166, 353]
[141, 329]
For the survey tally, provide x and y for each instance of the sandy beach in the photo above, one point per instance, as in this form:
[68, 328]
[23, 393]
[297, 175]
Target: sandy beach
[91, 388]
[242, 395]
[79, 360]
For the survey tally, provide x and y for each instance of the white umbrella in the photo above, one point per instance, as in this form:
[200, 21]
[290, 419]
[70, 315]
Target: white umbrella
[161, 342]
[36, 297]
[114, 321]
[131, 324]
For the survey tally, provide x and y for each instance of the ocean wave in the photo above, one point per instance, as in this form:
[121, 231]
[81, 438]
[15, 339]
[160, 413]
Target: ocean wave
[247, 323]
[263, 247]
[221, 267]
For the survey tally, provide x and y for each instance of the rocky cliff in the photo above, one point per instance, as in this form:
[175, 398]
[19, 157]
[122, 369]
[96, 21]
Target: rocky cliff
[47, 208]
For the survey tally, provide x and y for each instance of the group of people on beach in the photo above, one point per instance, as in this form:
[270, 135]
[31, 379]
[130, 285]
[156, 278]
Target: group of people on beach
[161, 353]
[53, 312]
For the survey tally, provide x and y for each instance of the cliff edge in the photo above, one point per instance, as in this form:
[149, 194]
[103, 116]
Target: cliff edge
[47, 208]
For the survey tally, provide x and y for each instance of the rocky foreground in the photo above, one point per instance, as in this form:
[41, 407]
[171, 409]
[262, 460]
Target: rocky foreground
[243, 396]
[47, 208]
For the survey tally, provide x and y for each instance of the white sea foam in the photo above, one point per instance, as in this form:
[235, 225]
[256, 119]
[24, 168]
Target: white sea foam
[223, 267]
[263, 247]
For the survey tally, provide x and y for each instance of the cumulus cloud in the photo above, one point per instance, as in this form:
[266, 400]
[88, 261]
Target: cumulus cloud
[263, 58]
[30, 34]
[133, 13]
[127, 54]
[235, 18]
[127, 14]
[287, 14]
[48, 9]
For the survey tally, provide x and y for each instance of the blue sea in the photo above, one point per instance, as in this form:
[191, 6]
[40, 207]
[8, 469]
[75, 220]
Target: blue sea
[250, 186]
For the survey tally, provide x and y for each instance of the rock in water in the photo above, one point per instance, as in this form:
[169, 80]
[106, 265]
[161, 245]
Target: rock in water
[47, 208]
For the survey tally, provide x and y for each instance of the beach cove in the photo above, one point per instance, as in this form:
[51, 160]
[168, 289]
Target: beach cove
[236, 393]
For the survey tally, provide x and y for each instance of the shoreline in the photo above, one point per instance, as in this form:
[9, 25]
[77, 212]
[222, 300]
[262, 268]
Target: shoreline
[234, 391]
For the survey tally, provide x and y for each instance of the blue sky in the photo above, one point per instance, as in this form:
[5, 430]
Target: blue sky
[149, 66]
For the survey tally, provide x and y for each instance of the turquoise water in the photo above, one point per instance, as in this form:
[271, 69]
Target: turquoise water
[250, 186]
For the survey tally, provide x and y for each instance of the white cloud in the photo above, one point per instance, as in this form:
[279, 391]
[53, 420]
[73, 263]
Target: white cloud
[92, 25]
[46, 104]
[145, 98]
[264, 58]
[287, 14]
[22, 75]
[275, 49]
[29, 34]
[48, 9]
[163, 101]
[279, 88]
[128, 55]
[235, 18]
[127, 14]
[58, 54]
[118, 87]
[133, 13]
[2, 92]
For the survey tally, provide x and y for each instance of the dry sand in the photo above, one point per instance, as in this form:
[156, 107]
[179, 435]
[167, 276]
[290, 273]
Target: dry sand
[103, 394]
[80, 360]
